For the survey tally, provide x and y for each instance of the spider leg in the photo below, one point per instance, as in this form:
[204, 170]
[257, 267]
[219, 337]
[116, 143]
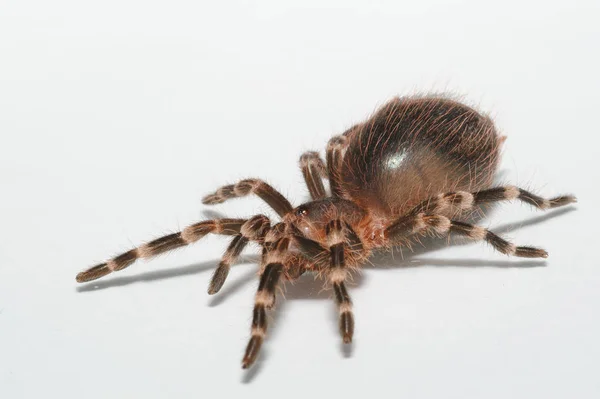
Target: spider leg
[169, 242]
[343, 243]
[337, 237]
[424, 223]
[335, 155]
[251, 186]
[464, 201]
[252, 230]
[265, 298]
[314, 170]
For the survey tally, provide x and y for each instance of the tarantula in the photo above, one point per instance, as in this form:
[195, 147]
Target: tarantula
[417, 166]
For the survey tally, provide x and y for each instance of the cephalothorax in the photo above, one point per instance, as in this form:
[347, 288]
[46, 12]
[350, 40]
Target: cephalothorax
[416, 167]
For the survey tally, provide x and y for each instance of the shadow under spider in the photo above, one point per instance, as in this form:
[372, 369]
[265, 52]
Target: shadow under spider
[310, 287]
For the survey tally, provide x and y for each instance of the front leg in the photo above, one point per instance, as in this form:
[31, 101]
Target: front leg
[252, 230]
[251, 186]
[342, 245]
[265, 298]
[337, 233]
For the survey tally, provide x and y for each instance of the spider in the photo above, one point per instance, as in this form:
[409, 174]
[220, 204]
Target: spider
[416, 167]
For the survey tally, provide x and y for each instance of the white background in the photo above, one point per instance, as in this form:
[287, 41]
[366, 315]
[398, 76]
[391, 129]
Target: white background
[117, 117]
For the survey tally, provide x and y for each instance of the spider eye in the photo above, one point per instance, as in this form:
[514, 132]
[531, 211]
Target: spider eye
[301, 211]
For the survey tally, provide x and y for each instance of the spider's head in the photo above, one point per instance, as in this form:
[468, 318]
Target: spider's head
[311, 218]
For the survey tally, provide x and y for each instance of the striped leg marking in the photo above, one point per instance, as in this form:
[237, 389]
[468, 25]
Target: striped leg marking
[336, 240]
[187, 236]
[251, 186]
[441, 225]
[511, 192]
[253, 230]
[265, 298]
[464, 201]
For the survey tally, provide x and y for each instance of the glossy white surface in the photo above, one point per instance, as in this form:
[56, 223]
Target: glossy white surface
[117, 117]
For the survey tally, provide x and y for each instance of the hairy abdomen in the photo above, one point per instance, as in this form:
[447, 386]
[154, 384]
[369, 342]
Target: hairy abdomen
[417, 147]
